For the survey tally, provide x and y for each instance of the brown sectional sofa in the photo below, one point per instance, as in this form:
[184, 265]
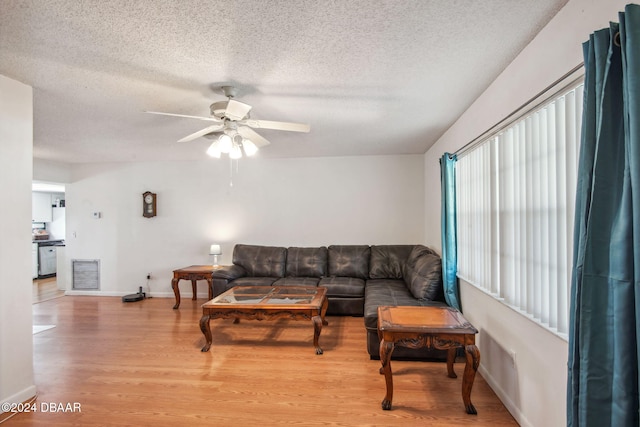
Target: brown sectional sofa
[358, 278]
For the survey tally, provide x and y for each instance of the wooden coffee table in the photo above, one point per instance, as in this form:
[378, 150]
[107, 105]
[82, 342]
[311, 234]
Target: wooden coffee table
[268, 303]
[443, 328]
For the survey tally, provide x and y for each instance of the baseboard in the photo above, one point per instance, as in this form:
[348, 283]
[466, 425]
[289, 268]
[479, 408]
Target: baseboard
[133, 291]
[513, 409]
[96, 293]
[25, 395]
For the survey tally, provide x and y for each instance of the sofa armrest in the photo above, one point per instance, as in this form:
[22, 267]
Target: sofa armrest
[423, 274]
[231, 272]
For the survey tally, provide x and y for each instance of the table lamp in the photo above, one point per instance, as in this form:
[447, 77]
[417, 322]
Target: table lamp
[215, 251]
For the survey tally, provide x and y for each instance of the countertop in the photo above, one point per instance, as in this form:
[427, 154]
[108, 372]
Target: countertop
[48, 241]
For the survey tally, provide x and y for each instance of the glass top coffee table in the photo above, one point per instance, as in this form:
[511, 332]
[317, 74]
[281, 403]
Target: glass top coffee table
[268, 303]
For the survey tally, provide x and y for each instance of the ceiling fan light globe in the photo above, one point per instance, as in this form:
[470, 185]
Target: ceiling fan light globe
[225, 142]
[214, 150]
[235, 153]
[249, 147]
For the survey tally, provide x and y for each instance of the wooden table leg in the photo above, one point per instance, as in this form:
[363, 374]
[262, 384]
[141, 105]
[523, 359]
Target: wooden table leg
[386, 348]
[210, 284]
[317, 328]
[194, 288]
[206, 330]
[323, 311]
[473, 361]
[451, 357]
[176, 292]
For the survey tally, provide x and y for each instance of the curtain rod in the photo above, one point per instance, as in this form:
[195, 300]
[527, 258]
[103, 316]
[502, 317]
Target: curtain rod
[521, 110]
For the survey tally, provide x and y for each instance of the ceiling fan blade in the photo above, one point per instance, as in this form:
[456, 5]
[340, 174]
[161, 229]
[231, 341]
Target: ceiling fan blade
[202, 132]
[253, 136]
[268, 124]
[236, 110]
[210, 119]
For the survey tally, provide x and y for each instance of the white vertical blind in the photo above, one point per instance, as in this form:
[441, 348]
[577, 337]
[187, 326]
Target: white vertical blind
[515, 202]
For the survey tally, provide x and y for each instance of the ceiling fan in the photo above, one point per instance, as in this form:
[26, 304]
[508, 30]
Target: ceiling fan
[233, 129]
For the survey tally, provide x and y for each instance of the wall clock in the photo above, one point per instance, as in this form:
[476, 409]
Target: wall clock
[149, 204]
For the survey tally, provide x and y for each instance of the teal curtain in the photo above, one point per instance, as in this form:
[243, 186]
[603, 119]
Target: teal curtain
[449, 236]
[602, 388]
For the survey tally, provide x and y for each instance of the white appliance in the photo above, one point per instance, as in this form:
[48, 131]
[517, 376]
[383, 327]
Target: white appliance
[57, 227]
[48, 260]
[34, 257]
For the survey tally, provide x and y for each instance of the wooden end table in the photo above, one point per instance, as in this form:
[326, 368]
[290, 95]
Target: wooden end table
[443, 328]
[268, 303]
[193, 273]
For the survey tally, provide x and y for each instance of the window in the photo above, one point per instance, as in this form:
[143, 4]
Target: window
[515, 206]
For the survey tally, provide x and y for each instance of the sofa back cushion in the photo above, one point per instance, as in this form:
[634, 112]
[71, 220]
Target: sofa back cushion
[261, 261]
[307, 262]
[423, 274]
[387, 261]
[349, 260]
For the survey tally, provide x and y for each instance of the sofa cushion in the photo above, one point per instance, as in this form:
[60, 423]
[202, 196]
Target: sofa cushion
[389, 292]
[307, 262]
[349, 261]
[343, 286]
[260, 261]
[387, 261]
[423, 274]
[230, 272]
[253, 281]
[297, 281]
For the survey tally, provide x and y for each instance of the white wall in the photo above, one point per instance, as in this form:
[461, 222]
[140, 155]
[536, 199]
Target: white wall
[283, 202]
[533, 387]
[16, 150]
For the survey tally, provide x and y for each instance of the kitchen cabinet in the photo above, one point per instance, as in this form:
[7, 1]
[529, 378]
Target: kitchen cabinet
[41, 207]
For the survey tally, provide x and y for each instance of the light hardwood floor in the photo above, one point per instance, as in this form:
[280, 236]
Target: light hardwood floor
[140, 364]
[46, 289]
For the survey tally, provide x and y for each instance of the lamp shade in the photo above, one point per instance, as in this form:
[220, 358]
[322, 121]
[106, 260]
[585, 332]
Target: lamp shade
[236, 152]
[215, 250]
[226, 144]
[214, 150]
[249, 147]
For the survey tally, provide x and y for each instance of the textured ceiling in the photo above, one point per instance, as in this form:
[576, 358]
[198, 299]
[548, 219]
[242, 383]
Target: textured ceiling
[370, 76]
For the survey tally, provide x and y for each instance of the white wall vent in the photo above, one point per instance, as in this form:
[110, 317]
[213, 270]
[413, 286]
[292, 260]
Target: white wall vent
[86, 274]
